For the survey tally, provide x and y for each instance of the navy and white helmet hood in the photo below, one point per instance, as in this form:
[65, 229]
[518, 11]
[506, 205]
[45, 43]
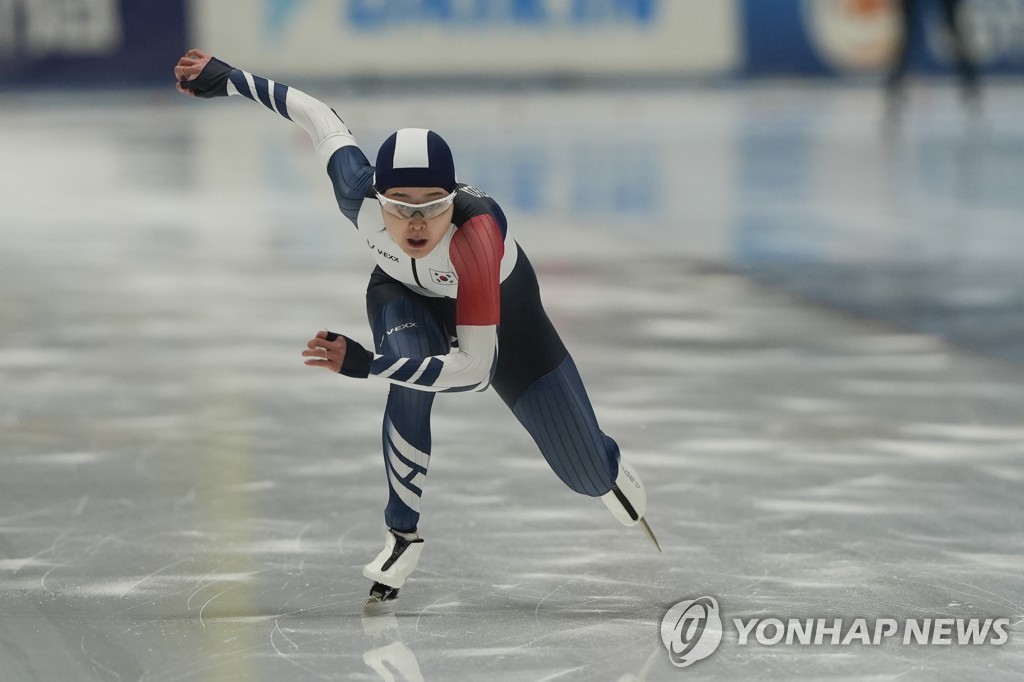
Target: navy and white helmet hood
[414, 157]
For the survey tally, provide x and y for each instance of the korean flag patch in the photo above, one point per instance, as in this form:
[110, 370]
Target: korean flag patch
[440, 277]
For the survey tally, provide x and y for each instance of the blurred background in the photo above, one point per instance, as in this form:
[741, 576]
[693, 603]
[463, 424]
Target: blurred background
[793, 281]
[752, 134]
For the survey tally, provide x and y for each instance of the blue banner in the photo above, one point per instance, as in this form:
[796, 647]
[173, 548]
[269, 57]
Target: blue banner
[369, 15]
[90, 42]
[834, 37]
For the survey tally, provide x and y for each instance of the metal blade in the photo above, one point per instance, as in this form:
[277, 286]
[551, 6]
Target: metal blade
[650, 534]
[376, 607]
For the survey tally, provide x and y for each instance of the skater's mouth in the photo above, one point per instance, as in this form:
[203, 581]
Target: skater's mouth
[416, 243]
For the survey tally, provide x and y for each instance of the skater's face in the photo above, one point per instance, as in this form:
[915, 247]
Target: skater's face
[417, 232]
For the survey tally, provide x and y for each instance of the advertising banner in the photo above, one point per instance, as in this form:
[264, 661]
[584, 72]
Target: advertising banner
[344, 38]
[88, 42]
[827, 37]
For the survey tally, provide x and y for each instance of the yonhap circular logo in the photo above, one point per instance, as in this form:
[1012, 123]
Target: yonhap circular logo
[691, 630]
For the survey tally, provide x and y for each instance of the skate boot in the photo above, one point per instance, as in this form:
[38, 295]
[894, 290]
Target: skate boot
[390, 568]
[627, 500]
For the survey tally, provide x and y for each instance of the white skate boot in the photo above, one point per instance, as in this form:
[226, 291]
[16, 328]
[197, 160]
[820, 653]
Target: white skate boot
[390, 568]
[627, 500]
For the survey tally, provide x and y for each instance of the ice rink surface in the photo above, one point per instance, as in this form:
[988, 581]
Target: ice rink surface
[801, 323]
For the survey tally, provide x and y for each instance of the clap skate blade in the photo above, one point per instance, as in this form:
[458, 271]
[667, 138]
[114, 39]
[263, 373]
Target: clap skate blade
[382, 599]
[649, 533]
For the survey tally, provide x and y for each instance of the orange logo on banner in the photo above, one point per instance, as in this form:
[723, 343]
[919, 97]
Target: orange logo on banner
[853, 35]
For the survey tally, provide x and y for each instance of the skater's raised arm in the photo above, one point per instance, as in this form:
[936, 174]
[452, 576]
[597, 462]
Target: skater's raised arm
[202, 75]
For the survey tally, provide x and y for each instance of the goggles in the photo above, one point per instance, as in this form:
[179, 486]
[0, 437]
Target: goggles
[429, 210]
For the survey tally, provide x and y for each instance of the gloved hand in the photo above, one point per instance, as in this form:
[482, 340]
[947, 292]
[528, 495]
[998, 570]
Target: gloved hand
[201, 75]
[338, 353]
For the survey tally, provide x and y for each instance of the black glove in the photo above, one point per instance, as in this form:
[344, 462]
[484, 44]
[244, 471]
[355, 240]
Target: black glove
[212, 81]
[357, 360]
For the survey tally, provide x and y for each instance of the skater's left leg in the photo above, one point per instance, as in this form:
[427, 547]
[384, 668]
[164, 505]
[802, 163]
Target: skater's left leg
[539, 382]
[556, 411]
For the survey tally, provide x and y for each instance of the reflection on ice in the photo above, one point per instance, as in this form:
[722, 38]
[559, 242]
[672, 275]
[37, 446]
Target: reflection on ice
[390, 658]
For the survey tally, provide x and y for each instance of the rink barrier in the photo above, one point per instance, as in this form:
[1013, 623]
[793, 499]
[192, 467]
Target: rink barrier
[90, 42]
[837, 37]
[596, 42]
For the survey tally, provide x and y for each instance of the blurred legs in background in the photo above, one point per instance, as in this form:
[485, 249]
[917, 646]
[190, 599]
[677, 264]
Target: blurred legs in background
[967, 71]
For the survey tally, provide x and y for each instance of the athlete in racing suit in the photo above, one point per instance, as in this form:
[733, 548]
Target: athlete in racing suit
[457, 310]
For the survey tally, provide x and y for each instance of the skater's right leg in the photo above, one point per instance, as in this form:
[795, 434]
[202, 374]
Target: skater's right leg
[406, 444]
[403, 325]
[405, 436]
